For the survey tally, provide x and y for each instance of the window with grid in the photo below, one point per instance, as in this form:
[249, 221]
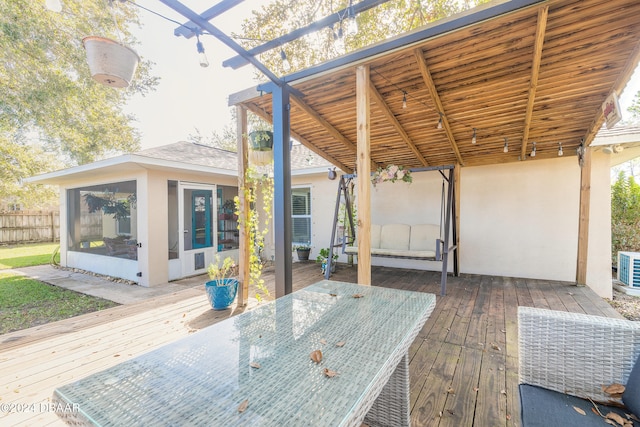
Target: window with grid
[301, 215]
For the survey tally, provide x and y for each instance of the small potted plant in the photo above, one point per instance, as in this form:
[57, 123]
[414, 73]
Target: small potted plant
[323, 257]
[261, 144]
[303, 252]
[222, 286]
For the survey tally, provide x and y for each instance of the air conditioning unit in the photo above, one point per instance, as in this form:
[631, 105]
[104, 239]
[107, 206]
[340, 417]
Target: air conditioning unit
[629, 269]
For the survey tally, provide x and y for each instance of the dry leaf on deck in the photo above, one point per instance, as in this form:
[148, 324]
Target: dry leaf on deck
[340, 344]
[255, 365]
[329, 373]
[450, 390]
[243, 405]
[358, 295]
[579, 410]
[316, 356]
[495, 346]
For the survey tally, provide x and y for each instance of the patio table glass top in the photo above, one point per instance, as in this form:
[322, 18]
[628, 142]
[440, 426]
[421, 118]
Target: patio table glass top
[263, 357]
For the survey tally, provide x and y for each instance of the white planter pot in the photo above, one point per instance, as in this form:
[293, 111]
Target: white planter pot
[110, 63]
[260, 158]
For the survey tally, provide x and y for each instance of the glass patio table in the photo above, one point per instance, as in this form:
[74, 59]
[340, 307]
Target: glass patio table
[256, 369]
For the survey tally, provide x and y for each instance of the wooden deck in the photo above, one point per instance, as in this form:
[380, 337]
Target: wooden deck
[463, 363]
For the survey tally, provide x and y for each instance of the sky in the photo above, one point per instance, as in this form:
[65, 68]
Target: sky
[190, 98]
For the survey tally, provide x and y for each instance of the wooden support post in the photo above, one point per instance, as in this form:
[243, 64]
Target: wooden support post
[243, 246]
[583, 224]
[363, 164]
[456, 216]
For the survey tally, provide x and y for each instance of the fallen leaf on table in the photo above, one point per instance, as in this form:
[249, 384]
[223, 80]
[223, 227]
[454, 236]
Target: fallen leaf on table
[329, 373]
[316, 356]
[323, 341]
[243, 405]
[340, 344]
[333, 295]
[579, 410]
[255, 365]
[358, 295]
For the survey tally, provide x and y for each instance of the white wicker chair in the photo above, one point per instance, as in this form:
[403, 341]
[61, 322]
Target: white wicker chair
[575, 353]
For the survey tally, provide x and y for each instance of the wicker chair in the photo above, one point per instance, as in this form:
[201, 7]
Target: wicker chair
[574, 354]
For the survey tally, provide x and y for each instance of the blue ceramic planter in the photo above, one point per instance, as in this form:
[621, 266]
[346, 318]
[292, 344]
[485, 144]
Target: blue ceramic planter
[222, 295]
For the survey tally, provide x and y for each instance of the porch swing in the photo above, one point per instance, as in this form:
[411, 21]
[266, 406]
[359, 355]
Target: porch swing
[401, 240]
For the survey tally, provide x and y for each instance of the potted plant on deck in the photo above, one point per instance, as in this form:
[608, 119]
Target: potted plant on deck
[323, 257]
[303, 252]
[222, 287]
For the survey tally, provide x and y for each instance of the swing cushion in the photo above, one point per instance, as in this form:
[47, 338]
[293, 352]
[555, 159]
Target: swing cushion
[402, 241]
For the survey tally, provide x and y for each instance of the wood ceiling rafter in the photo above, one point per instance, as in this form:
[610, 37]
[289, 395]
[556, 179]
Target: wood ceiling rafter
[264, 115]
[541, 28]
[433, 91]
[623, 78]
[335, 133]
[396, 124]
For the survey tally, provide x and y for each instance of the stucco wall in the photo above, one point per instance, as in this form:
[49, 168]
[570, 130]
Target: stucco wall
[516, 219]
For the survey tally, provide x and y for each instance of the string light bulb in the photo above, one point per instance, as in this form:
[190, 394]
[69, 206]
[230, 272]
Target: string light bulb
[560, 152]
[404, 100]
[351, 24]
[202, 57]
[506, 146]
[533, 150]
[286, 65]
[439, 122]
[473, 138]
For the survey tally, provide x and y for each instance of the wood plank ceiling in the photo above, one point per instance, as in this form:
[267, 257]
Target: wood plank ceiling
[539, 74]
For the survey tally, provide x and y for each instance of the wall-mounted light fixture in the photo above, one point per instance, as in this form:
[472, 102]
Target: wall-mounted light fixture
[332, 174]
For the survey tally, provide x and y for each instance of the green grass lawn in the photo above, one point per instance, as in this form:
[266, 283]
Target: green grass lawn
[25, 302]
[17, 256]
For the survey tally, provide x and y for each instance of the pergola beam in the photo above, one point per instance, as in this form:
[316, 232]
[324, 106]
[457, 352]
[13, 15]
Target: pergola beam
[239, 61]
[395, 123]
[541, 29]
[186, 29]
[433, 91]
[266, 116]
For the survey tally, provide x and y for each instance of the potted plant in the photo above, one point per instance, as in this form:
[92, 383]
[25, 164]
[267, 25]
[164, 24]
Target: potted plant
[261, 144]
[323, 257]
[303, 252]
[222, 287]
[110, 62]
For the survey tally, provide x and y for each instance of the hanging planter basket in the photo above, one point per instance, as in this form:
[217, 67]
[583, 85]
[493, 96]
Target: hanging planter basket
[110, 63]
[260, 158]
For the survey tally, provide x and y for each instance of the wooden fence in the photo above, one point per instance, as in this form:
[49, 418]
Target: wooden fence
[29, 226]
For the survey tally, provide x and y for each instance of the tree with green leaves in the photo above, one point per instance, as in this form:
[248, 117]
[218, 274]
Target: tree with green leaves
[379, 23]
[625, 215]
[50, 107]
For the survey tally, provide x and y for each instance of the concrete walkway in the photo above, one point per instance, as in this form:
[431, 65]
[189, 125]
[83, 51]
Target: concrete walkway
[100, 287]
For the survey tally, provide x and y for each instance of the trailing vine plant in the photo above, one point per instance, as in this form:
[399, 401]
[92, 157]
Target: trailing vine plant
[256, 223]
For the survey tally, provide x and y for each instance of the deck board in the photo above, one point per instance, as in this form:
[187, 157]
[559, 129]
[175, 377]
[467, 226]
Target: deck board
[463, 363]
